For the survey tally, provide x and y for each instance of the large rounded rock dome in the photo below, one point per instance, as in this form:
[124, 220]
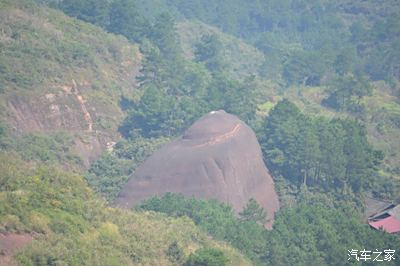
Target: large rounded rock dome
[217, 157]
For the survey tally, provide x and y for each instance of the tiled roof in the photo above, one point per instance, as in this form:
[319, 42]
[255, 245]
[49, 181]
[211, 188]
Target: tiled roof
[389, 224]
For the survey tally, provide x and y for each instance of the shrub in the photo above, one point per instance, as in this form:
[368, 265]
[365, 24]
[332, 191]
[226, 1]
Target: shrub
[207, 257]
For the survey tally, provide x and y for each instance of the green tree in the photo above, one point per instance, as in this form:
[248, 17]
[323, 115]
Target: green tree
[307, 153]
[331, 170]
[347, 91]
[318, 235]
[279, 140]
[209, 52]
[108, 174]
[237, 97]
[207, 257]
[126, 20]
[304, 68]
[217, 219]
[344, 62]
[175, 253]
[163, 35]
[92, 11]
[154, 115]
[332, 154]
[361, 159]
[253, 212]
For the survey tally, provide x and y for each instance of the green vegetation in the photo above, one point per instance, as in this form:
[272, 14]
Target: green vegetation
[315, 234]
[48, 61]
[73, 226]
[314, 231]
[236, 57]
[110, 172]
[306, 41]
[41, 46]
[216, 218]
[253, 212]
[174, 91]
[52, 148]
[327, 44]
[346, 93]
[95, 12]
[333, 154]
[209, 52]
[177, 91]
[339, 60]
[207, 257]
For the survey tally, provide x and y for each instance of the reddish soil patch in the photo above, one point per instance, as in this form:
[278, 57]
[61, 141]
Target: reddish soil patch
[10, 244]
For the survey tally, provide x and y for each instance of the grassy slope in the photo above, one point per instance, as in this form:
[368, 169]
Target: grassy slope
[48, 61]
[383, 109]
[71, 225]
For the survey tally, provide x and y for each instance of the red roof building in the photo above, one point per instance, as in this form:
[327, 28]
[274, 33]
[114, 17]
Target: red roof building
[389, 224]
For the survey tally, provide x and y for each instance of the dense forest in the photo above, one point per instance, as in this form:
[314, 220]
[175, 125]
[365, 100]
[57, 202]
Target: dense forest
[323, 101]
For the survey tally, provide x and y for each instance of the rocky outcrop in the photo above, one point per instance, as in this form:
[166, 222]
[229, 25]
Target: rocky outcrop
[65, 79]
[65, 109]
[217, 157]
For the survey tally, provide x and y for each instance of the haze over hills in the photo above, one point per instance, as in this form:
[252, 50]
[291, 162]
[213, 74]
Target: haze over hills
[96, 93]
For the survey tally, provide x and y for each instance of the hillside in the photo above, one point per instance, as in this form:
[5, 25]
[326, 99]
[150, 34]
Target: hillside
[96, 93]
[55, 217]
[61, 85]
[304, 40]
[62, 75]
[241, 58]
[381, 118]
[382, 106]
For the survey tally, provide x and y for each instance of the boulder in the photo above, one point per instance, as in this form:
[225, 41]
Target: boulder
[217, 157]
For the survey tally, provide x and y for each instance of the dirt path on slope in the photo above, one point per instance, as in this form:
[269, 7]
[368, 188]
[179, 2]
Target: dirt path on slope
[86, 114]
[221, 138]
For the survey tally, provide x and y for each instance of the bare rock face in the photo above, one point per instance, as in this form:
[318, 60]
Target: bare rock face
[217, 157]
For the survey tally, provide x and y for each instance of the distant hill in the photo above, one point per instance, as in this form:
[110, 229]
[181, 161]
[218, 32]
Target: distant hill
[241, 58]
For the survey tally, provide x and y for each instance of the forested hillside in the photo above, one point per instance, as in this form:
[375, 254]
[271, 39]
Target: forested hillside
[305, 41]
[89, 89]
[331, 58]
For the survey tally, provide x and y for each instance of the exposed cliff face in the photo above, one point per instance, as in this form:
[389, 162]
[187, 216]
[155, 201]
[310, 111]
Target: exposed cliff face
[65, 108]
[60, 74]
[217, 157]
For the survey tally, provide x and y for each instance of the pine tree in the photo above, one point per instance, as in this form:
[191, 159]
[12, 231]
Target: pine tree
[253, 212]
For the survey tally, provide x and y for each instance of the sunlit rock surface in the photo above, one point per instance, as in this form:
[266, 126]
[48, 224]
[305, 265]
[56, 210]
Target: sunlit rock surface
[217, 157]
